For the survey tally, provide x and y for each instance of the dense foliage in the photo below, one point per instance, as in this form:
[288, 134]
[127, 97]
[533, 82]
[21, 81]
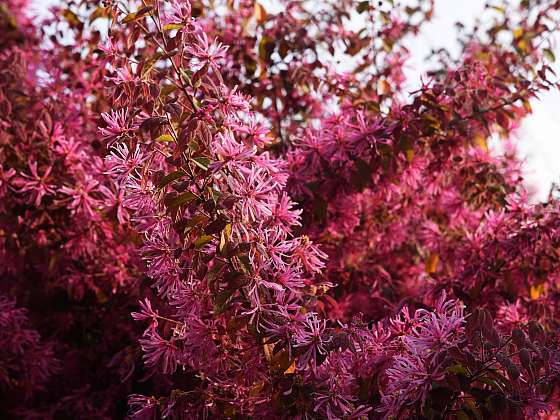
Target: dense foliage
[211, 210]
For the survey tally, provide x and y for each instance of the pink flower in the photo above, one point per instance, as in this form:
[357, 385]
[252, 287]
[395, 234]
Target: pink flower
[5, 176]
[289, 278]
[410, 379]
[158, 351]
[255, 131]
[124, 163]
[308, 255]
[231, 101]
[80, 197]
[205, 52]
[179, 12]
[119, 124]
[312, 340]
[440, 329]
[253, 188]
[229, 149]
[143, 408]
[114, 197]
[283, 214]
[146, 313]
[34, 185]
[110, 49]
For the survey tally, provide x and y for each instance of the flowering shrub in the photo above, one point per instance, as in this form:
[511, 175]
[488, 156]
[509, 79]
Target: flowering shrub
[66, 252]
[318, 244]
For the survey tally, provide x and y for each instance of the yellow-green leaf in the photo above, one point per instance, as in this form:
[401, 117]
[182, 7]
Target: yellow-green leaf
[202, 240]
[549, 54]
[131, 17]
[165, 138]
[202, 162]
[171, 26]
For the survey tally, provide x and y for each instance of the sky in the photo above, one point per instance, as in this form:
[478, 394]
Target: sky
[539, 135]
[538, 138]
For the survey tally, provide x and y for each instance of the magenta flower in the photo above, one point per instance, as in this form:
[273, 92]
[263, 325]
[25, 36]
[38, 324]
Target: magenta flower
[113, 196]
[160, 352]
[312, 340]
[123, 163]
[309, 255]
[283, 214]
[253, 188]
[438, 330]
[110, 49]
[146, 313]
[178, 13]
[289, 278]
[5, 176]
[35, 185]
[205, 52]
[410, 380]
[119, 124]
[80, 197]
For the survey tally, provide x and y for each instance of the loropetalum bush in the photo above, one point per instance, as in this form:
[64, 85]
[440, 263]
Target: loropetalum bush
[319, 243]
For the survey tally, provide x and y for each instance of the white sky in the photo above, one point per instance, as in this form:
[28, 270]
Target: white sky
[539, 142]
[539, 134]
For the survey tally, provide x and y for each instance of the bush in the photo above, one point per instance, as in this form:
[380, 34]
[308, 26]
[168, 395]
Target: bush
[319, 245]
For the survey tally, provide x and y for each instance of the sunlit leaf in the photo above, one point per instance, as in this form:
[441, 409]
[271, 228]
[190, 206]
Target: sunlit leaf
[166, 138]
[172, 26]
[432, 263]
[260, 13]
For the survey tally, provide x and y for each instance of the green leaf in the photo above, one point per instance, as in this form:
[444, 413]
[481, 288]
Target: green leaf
[361, 175]
[214, 272]
[224, 237]
[549, 54]
[170, 178]
[500, 9]
[131, 17]
[216, 226]
[461, 415]
[202, 162]
[266, 47]
[492, 383]
[167, 138]
[458, 369]
[362, 6]
[6, 17]
[140, 13]
[202, 240]
[171, 26]
[196, 220]
[176, 201]
[168, 89]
